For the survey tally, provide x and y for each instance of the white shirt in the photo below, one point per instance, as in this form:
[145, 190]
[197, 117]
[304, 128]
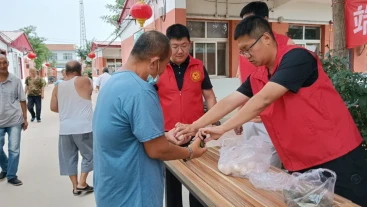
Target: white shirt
[102, 80]
[75, 112]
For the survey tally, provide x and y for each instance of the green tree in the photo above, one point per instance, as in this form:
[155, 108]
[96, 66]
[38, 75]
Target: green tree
[38, 45]
[115, 12]
[83, 52]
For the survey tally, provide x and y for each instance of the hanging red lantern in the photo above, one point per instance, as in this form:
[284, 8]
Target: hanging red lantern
[31, 55]
[141, 12]
[91, 55]
[47, 64]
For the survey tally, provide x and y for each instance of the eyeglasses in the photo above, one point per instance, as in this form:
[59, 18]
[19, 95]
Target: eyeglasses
[247, 53]
[177, 47]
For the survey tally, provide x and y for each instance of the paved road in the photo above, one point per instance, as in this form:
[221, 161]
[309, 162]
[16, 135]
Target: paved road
[39, 170]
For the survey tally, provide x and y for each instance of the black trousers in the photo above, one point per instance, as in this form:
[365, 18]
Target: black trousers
[174, 192]
[351, 173]
[35, 100]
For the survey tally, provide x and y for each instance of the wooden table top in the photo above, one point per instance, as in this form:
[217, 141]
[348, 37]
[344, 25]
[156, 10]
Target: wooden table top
[203, 179]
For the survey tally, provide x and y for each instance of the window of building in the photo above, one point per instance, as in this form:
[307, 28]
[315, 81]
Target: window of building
[306, 36]
[54, 56]
[113, 65]
[68, 56]
[209, 44]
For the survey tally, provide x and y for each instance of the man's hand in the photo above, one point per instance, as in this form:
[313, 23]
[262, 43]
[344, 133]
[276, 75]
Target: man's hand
[25, 125]
[196, 149]
[184, 130]
[210, 133]
[177, 141]
[238, 130]
[42, 96]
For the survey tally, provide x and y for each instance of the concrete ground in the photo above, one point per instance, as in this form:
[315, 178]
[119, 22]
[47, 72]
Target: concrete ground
[39, 166]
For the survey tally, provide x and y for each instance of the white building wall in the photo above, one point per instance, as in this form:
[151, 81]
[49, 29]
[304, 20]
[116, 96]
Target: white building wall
[156, 7]
[3, 46]
[60, 57]
[13, 58]
[295, 11]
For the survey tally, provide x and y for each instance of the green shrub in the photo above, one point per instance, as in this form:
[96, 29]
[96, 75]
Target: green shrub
[351, 86]
[89, 72]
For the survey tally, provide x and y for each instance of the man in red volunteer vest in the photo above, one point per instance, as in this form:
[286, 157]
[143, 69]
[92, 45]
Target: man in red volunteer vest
[255, 127]
[307, 120]
[181, 89]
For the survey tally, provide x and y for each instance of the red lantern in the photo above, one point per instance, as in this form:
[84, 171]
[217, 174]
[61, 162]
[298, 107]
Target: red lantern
[141, 12]
[47, 64]
[91, 55]
[31, 55]
[53, 68]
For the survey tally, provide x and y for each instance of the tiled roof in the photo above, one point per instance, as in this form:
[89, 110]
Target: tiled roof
[61, 47]
[10, 36]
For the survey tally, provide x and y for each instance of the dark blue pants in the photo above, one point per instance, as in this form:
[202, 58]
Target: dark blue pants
[35, 100]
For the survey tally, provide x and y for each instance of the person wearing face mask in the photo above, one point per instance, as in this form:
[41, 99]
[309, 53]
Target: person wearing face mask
[181, 90]
[130, 143]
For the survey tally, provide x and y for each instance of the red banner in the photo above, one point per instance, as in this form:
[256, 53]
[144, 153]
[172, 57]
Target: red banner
[356, 22]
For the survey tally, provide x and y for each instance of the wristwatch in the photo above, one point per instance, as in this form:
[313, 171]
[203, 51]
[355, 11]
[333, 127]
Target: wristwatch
[191, 154]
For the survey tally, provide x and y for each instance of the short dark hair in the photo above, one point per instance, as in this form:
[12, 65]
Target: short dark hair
[105, 70]
[253, 26]
[73, 67]
[150, 44]
[177, 31]
[257, 8]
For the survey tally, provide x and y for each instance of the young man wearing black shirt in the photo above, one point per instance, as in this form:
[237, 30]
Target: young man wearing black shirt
[306, 118]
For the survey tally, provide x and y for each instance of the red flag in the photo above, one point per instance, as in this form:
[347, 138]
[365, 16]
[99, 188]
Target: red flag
[356, 22]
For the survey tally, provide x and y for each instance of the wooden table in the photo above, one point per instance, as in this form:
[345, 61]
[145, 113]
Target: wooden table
[212, 188]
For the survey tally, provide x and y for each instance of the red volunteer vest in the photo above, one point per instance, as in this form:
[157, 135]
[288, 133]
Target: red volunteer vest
[311, 127]
[185, 106]
[246, 68]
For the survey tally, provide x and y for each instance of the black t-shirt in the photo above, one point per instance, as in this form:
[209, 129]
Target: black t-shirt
[180, 70]
[297, 69]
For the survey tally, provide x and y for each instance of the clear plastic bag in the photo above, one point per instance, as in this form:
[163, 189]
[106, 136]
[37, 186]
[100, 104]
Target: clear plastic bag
[312, 188]
[309, 189]
[271, 181]
[240, 157]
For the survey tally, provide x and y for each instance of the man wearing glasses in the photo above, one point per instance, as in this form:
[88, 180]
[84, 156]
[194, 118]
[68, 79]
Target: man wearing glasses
[181, 89]
[255, 127]
[307, 120]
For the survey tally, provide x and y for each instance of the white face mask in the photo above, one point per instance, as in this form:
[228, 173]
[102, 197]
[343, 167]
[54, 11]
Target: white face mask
[152, 80]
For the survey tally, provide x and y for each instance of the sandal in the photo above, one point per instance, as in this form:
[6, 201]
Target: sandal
[87, 189]
[76, 193]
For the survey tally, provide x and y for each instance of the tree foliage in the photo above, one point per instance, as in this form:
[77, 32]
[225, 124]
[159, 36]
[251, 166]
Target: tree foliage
[114, 14]
[351, 86]
[83, 52]
[38, 45]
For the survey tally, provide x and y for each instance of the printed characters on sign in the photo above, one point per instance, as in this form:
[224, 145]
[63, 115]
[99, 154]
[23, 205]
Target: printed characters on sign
[360, 17]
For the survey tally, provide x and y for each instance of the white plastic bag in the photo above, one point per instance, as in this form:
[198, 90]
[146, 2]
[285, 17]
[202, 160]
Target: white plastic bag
[312, 188]
[240, 157]
[271, 181]
[309, 189]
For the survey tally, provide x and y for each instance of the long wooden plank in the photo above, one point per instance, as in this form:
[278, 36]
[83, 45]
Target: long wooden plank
[212, 162]
[202, 178]
[196, 185]
[241, 188]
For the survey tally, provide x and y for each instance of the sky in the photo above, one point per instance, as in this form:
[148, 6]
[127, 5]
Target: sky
[56, 20]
